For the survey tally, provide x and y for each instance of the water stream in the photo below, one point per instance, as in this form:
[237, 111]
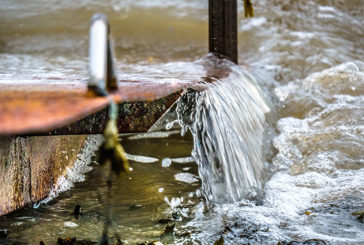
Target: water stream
[278, 143]
[228, 124]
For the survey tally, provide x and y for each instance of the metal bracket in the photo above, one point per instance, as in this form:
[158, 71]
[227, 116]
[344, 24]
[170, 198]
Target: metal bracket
[101, 56]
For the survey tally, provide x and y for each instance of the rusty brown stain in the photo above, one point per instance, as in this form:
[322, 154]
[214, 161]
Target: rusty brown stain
[39, 107]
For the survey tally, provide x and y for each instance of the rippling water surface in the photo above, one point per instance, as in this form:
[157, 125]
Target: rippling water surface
[307, 57]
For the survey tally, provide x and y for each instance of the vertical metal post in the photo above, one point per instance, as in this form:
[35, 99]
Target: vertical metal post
[101, 56]
[223, 38]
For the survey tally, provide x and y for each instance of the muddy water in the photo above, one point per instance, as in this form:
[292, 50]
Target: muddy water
[143, 200]
[308, 56]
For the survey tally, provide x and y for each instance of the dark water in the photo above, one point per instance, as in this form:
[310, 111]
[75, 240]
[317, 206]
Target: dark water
[139, 199]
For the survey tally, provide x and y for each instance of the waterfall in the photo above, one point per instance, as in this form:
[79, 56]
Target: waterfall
[228, 122]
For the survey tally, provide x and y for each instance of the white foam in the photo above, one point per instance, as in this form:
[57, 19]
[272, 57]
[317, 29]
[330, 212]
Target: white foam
[142, 159]
[186, 177]
[252, 23]
[319, 179]
[166, 162]
[77, 172]
[154, 135]
[183, 160]
[70, 224]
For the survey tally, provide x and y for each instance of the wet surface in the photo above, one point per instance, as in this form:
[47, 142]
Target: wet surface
[306, 55]
[140, 206]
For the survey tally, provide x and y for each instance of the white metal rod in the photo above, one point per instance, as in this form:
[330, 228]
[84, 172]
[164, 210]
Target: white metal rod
[98, 51]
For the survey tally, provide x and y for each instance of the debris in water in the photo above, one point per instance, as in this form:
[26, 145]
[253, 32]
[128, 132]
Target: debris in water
[169, 229]
[3, 233]
[118, 240]
[227, 229]
[150, 243]
[314, 242]
[307, 242]
[77, 212]
[176, 216]
[168, 232]
[220, 241]
[136, 206]
[248, 9]
[150, 59]
[66, 241]
[164, 221]
[360, 215]
[112, 151]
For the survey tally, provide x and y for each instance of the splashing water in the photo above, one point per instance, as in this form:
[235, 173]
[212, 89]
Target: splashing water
[308, 47]
[319, 177]
[228, 123]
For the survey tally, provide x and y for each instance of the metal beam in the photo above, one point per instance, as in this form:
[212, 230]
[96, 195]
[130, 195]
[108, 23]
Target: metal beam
[46, 108]
[134, 117]
[38, 108]
[223, 38]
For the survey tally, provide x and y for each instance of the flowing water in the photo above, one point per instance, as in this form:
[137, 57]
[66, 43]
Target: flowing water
[228, 124]
[287, 171]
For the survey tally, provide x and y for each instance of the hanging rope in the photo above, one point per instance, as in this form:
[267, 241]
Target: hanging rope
[111, 150]
[102, 77]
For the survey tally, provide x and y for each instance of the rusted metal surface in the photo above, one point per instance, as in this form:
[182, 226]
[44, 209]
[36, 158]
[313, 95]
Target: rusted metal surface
[134, 117]
[40, 108]
[223, 37]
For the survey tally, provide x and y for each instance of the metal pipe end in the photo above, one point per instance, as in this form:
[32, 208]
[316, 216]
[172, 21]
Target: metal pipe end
[99, 16]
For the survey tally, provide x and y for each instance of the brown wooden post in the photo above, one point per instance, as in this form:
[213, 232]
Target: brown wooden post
[223, 38]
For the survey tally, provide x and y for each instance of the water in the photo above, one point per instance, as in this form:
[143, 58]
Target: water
[318, 181]
[307, 58]
[228, 123]
[149, 194]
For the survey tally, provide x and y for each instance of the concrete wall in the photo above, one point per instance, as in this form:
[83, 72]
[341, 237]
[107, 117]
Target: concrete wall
[30, 167]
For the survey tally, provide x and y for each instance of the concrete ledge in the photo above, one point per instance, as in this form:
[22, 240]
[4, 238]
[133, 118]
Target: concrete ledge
[31, 166]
